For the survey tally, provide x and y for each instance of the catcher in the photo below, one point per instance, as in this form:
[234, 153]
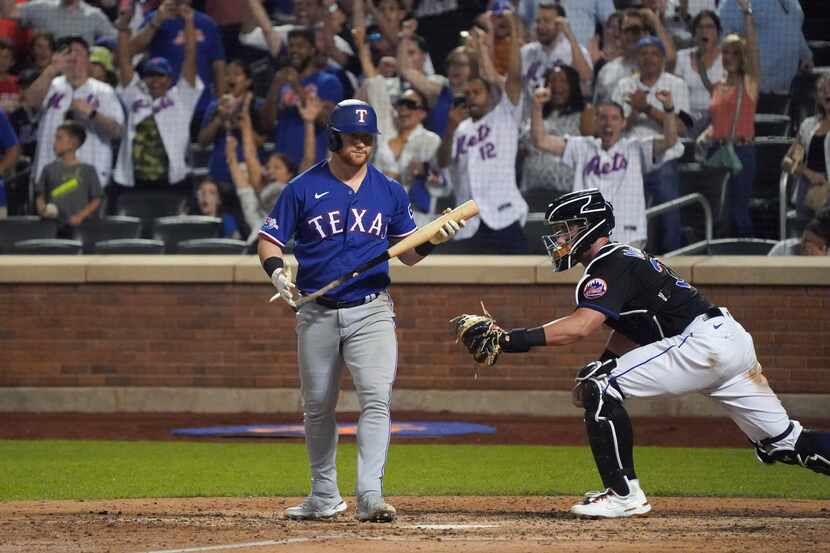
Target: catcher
[667, 339]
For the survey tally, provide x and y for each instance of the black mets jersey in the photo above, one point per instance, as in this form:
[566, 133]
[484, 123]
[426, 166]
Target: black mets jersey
[642, 298]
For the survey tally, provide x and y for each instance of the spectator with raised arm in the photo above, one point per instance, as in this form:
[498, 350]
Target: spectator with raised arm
[701, 67]
[611, 163]
[65, 90]
[259, 187]
[479, 148]
[583, 15]
[152, 153]
[734, 101]
[607, 46]
[226, 113]
[783, 49]
[555, 44]
[565, 113]
[162, 36]
[635, 25]
[638, 95]
[61, 18]
[288, 90]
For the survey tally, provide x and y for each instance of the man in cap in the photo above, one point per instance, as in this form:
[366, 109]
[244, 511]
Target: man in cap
[152, 154]
[644, 119]
[64, 90]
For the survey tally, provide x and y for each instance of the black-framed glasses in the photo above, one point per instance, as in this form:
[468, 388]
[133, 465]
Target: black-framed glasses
[408, 104]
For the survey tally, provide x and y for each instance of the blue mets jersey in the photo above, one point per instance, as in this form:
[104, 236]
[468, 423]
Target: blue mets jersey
[336, 229]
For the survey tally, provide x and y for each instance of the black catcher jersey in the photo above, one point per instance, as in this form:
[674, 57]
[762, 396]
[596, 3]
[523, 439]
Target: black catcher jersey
[641, 297]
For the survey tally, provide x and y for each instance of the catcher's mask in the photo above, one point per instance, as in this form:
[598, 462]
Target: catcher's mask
[577, 219]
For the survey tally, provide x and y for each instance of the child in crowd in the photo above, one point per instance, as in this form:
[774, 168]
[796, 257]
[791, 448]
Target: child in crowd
[68, 190]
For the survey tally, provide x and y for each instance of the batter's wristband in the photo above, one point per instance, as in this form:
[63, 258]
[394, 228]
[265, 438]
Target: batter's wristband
[425, 249]
[272, 264]
[520, 340]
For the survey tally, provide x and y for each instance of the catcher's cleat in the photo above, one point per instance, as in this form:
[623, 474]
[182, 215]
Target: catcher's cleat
[315, 508]
[610, 505]
[374, 509]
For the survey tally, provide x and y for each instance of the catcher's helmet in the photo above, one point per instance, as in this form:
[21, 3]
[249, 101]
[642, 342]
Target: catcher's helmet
[577, 219]
[351, 116]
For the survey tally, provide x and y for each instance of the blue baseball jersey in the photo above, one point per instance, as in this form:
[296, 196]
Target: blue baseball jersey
[336, 229]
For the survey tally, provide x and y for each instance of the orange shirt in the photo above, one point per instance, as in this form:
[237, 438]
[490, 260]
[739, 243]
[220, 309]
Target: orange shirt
[722, 109]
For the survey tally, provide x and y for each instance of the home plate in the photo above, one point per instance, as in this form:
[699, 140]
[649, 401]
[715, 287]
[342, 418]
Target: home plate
[451, 526]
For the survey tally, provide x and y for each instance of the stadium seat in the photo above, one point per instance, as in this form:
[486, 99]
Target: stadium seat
[771, 124]
[129, 246]
[735, 246]
[47, 246]
[149, 205]
[178, 228]
[107, 228]
[790, 246]
[24, 227]
[769, 151]
[212, 246]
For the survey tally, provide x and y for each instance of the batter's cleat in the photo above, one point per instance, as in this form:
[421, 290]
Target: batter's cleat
[374, 509]
[315, 508]
[610, 505]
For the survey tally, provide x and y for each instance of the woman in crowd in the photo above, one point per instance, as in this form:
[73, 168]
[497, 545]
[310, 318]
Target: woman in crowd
[607, 46]
[740, 89]
[224, 114]
[565, 113]
[702, 67]
[405, 148]
[258, 186]
[813, 189]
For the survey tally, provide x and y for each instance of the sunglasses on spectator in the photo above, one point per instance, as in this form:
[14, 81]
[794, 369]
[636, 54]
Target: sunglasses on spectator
[408, 104]
[634, 30]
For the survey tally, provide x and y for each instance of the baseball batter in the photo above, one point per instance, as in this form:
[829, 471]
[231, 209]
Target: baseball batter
[668, 340]
[342, 213]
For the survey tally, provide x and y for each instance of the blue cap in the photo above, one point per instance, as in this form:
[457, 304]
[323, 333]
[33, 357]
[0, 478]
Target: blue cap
[651, 41]
[351, 116]
[500, 6]
[156, 66]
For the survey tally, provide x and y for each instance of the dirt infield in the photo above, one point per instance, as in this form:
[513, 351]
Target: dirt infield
[425, 524]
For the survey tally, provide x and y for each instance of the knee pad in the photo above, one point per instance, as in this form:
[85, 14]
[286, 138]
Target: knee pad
[593, 384]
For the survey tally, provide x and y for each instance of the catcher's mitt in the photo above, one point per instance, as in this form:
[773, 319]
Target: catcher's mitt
[480, 335]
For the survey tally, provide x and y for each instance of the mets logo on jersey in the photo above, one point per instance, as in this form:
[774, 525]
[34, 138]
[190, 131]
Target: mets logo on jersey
[595, 288]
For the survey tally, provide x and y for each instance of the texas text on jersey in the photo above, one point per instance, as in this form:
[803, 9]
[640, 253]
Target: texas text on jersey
[643, 299]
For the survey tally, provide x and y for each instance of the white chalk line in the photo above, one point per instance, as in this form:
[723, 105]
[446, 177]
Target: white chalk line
[289, 541]
[240, 545]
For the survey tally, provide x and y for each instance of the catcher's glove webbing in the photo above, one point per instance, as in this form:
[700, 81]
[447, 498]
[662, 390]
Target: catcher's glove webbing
[480, 335]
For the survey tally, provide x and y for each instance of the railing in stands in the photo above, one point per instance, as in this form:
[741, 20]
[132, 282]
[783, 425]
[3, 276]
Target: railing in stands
[677, 203]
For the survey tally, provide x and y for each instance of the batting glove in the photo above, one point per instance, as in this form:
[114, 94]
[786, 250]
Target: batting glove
[446, 232]
[282, 282]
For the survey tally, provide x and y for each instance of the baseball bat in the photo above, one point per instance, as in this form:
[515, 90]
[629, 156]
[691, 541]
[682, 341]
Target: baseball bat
[422, 235]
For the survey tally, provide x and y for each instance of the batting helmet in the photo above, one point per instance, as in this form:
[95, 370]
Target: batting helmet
[351, 116]
[577, 219]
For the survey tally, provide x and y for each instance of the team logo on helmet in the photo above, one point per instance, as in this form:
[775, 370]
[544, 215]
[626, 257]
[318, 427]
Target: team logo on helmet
[595, 288]
[361, 115]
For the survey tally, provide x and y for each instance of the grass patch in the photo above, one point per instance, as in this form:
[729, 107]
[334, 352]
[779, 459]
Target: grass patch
[39, 470]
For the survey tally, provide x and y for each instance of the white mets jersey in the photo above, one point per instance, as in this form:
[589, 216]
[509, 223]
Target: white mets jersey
[484, 167]
[618, 174]
[96, 150]
[172, 111]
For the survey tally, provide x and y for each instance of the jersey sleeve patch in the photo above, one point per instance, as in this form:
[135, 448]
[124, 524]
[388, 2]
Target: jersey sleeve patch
[595, 289]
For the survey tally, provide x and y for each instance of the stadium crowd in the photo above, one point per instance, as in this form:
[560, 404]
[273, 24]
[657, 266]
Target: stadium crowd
[105, 104]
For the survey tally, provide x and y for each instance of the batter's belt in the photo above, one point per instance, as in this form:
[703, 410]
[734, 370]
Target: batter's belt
[334, 304]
